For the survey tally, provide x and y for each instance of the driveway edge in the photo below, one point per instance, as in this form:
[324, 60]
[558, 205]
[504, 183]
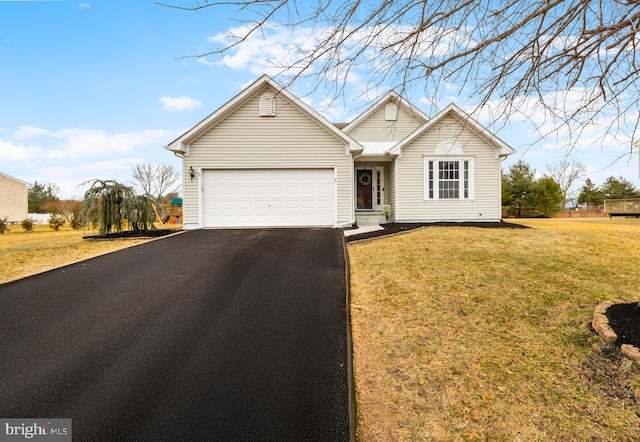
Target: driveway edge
[351, 396]
[91, 257]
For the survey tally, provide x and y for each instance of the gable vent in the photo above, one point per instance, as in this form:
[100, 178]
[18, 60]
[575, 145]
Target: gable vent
[267, 105]
[391, 112]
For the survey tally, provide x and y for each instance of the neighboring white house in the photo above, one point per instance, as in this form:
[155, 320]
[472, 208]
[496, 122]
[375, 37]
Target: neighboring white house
[14, 203]
[266, 159]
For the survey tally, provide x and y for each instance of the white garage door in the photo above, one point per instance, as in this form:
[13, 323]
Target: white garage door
[268, 197]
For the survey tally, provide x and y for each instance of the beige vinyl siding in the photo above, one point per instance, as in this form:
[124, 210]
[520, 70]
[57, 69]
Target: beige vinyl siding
[13, 199]
[376, 128]
[411, 205]
[291, 139]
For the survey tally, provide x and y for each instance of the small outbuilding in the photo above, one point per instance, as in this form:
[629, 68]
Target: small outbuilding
[622, 207]
[14, 199]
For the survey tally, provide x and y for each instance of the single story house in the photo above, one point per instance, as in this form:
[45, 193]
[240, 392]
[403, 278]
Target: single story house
[14, 199]
[267, 159]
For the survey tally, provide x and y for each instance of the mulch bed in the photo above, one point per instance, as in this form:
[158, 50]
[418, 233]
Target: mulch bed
[624, 319]
[130, 234]
[403, 227]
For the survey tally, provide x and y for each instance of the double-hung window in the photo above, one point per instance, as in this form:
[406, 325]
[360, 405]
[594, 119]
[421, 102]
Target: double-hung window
[448, 178]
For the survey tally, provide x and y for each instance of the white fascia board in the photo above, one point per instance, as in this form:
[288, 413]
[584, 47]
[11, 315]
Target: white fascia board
[15, 179]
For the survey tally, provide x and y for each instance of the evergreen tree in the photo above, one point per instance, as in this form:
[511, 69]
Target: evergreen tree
[523, 195]
[619, 188]
[590, 195]
[518, 185]
[548, 196]
[39, 195]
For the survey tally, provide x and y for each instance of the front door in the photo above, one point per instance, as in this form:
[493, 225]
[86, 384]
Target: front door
[364, 189]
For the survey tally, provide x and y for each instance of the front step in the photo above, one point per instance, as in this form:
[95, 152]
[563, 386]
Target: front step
[370, 219]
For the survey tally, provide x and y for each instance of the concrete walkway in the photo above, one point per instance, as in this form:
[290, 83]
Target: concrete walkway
[363, 229]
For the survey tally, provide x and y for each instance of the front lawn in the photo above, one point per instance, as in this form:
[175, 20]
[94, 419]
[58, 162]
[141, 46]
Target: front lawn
[24, 253]
[483, 334]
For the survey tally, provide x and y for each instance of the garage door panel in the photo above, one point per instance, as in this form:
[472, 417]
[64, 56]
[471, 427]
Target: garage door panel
[268, 197]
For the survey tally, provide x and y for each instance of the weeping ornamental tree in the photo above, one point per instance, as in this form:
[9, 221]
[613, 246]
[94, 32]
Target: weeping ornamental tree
[114, 207]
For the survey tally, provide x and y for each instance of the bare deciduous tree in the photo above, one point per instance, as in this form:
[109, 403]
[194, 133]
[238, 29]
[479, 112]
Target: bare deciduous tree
[578, 59]
[155, 180]
[566, 173]
[68, 209]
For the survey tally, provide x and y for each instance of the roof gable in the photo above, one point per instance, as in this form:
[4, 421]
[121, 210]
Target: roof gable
[502, 149]
[14, 179]
[180, 144]
[389, 97]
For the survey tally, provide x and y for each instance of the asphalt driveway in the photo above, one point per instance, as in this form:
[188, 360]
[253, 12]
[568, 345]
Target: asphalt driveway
[209, 335]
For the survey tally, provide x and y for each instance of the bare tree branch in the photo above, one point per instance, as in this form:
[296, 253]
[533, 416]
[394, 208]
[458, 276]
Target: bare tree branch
[155, 180]
[499, 51]
[566, 173]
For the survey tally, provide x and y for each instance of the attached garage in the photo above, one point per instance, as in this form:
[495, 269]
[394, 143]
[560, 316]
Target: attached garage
[268, 197]
[266, 159]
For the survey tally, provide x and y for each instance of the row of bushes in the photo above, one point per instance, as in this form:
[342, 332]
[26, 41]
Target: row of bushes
[108, 206]
[55, 222]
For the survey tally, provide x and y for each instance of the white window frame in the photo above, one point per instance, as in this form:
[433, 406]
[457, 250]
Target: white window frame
[435, 194]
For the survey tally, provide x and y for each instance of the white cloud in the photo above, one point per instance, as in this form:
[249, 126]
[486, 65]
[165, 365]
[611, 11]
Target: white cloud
[25, 132]
[84, 5]
[91, 143]
[71, 177]
[11, 152]
[74, 143]
[179, 104]
[267, 52]
[205, 61]
[71, 157]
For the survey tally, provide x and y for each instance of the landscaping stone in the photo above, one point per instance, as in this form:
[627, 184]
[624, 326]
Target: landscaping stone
[600, 324]
[631, 352]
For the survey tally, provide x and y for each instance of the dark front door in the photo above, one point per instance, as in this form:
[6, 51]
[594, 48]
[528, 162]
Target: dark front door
[364, 189]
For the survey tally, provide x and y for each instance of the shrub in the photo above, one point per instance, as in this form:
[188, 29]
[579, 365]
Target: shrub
[75, 223]
[4, 225]
[56, 221]
[27, 225]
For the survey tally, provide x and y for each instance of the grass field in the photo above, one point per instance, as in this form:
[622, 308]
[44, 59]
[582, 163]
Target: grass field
[465, 334]
[24, 253]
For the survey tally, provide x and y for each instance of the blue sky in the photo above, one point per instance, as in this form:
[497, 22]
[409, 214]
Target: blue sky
[89, 89]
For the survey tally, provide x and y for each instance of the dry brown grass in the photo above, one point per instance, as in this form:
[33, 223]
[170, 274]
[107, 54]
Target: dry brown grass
[467, 334]
[23, 253]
